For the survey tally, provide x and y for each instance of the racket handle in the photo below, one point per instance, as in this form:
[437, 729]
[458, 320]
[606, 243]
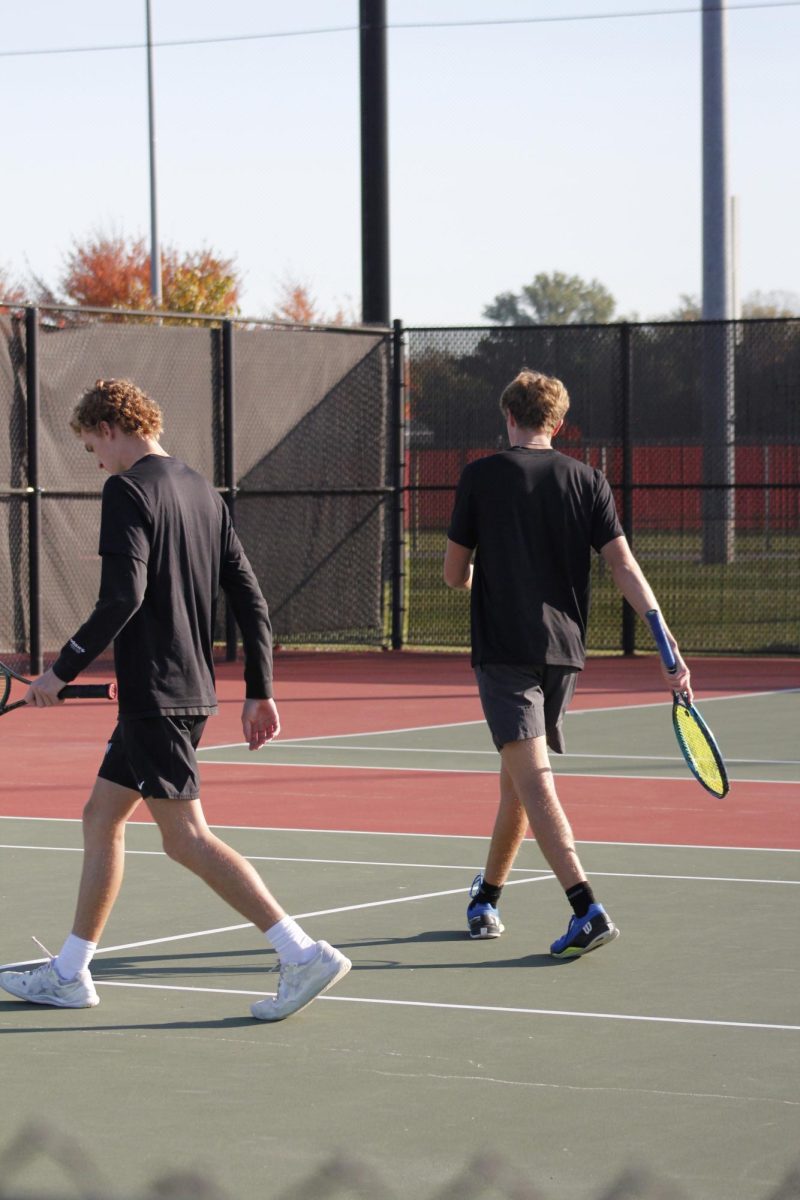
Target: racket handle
[656, 624]
[89, 691]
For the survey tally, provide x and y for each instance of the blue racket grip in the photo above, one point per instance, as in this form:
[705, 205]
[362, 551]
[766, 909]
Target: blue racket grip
[660, 634]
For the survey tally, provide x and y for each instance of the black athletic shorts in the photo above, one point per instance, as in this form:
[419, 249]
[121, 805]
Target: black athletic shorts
[526, 702]
[155, 756]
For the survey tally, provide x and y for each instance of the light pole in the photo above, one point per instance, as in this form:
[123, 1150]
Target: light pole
[155, 249]
[719, 433]
[374, 164]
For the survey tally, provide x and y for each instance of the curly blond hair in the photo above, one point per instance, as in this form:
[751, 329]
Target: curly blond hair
[118, 402]
[535, 401]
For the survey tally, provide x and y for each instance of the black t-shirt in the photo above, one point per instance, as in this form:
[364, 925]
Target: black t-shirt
[167, 546]
[533, 517]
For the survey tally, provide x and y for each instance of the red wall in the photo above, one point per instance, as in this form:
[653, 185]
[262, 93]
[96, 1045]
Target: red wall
[656, 509]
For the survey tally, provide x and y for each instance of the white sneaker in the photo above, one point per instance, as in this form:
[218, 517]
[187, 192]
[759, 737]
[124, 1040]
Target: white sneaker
[45, 986]
[300, 983]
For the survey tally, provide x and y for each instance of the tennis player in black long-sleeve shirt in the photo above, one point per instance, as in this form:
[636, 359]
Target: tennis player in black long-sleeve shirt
[167, 548]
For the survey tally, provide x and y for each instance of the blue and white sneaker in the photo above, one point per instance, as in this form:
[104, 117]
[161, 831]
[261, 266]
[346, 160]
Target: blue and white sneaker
[484, 919]
[585, 934]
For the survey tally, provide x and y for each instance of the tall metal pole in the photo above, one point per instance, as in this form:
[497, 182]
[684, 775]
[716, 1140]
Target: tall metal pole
[374, 165]
[718, 347]
[34, 490]
[155, 248]
[716, 210]
[399, 483]
[229, 464]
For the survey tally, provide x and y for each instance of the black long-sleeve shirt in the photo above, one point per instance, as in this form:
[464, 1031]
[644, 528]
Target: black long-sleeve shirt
[168, 547]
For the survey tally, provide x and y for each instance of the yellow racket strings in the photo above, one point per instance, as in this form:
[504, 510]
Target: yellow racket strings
[697, 747]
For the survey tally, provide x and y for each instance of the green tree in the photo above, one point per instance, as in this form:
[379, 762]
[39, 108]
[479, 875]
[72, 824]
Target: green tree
[554, 299]
[688, 309]
[755, 306]
[771, 304]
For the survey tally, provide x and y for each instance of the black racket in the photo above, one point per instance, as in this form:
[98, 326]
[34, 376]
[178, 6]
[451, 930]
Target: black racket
[73, 691]
[697, 742]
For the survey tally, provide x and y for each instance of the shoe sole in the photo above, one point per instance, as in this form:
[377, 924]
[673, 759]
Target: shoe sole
[602, 939]
[50, 1002]
[485, 933]
[344, 967]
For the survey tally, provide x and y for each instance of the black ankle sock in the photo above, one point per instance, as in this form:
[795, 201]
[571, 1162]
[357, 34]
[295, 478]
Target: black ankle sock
[581, 897]
[489, 894]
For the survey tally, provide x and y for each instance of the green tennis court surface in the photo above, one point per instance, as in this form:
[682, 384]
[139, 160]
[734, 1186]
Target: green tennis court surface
[676, 1048]
[753, 732]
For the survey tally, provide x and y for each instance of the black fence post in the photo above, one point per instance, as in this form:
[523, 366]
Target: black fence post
[626, 370]
[34, 490]
[399, 487]
[229, 465]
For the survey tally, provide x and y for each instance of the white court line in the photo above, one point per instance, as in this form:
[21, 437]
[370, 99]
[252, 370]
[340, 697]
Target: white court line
[322, 912]
[483, 1008]
[330, 766]
[578, 712]
[460, 837]
[415, 866]
[325, 912]
[661, 758]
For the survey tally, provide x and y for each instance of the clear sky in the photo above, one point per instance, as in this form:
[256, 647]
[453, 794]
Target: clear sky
[531, 143]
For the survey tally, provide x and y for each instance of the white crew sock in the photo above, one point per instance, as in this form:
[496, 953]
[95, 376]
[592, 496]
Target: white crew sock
[73, 957]
[290, 943]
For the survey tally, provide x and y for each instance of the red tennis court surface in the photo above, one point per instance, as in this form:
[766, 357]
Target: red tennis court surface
[50, 757]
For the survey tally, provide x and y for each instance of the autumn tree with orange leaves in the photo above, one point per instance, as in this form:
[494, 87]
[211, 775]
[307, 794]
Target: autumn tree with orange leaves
[11, 291]
[114, 272]
[297, 305]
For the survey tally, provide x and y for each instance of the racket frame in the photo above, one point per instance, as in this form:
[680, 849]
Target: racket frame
[681, 700]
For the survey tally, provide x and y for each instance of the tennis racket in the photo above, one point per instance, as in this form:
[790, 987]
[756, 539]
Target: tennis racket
[697, 742]
[105, 691]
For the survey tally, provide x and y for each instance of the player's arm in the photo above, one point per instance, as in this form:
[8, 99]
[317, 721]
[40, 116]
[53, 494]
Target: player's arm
[122, 585]
[260, 720]
[458, 566]
[630, 579]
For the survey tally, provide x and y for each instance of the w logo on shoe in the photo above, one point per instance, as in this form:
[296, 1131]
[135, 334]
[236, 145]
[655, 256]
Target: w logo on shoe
[587, 928]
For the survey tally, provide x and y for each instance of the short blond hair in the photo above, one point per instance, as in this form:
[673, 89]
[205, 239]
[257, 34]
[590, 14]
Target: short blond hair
[535, 401]
[121, 403]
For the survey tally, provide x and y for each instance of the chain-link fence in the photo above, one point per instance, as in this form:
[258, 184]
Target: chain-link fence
[291, 424]
[696, 425]
[338, 453]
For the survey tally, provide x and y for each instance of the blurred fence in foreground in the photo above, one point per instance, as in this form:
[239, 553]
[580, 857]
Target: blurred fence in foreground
[485, 1177]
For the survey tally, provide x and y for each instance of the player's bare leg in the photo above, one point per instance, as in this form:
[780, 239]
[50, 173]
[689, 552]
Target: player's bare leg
[307, 968]
[528, 765]
[510, 827]
[104, 819]
[65, 981]
[188, 840]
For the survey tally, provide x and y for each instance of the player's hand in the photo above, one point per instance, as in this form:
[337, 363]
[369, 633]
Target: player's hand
[43, 692]
[260, 722]
[678, 680]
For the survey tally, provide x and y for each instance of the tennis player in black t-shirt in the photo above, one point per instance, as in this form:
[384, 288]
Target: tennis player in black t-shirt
[167, 548]
[531, 517]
